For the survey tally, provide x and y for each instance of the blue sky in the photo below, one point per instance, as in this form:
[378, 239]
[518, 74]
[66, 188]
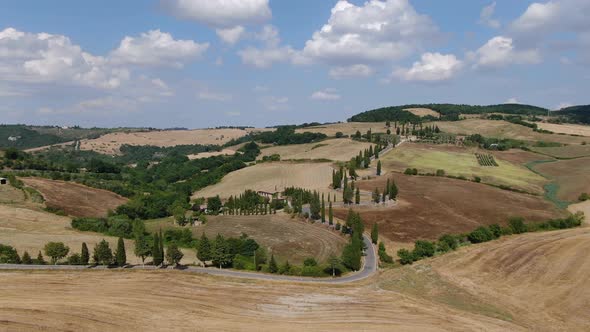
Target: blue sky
[203, 63]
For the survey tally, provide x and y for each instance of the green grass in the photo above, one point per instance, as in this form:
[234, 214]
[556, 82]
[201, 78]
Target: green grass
[463, 164]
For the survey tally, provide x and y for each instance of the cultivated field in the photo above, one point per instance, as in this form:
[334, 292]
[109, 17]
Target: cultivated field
[462, 162]
[347, 128]
[272, 177]
[110, 143]
[503, 129]
[75, 199]
[429, 207]
[569, 129]
[288, 239]
[565, 152]
[422, 112]
[202, 155]
[572, 176]
[334, 149]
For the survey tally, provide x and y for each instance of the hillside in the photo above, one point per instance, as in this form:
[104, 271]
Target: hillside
[577, 114]
[27, 137]
[447, 111]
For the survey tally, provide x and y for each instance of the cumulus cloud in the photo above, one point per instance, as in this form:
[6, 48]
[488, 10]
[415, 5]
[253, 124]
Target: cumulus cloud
[270, 52]
[209, 95]
[157, 48]
[231, 35]
[512, 100]
[377, 31]
[326, 94]
[486, 16]
[500, 52]
[432, 67]
[220, 13]
[352, 71]
[274, 103]
[563, 105]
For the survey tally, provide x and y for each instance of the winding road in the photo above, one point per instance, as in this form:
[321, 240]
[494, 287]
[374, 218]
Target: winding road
[369, 268]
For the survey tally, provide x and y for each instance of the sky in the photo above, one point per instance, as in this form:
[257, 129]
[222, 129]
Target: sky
[207, 63]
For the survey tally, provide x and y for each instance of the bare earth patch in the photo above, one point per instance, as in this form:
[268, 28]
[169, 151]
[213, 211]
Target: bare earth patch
[202, 155]
[347, 128]
[422, 112]
[76, 199]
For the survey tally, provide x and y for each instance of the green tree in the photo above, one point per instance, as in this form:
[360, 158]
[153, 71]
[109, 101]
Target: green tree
[357, 196]
[120, 254]
[75, 259]
[405, 256]
[351, 255]
[347, 195]
[221, 253]
[375, 233]
[334, 263]
[204, 248]
[56, 250]
[103, 253]
[142, 248]
[214, 205]
[330, 214]
[517, 225]
[260, 257]
[272, 265]
[84, 254]
[383, 256]
[9, 255]
[285, 268]
[393, 191]
[161, 246]
[26, 259]
[173, 254]
[156, 253]
[376, 196]
[323, 210]
[40, 260]
[379, 168]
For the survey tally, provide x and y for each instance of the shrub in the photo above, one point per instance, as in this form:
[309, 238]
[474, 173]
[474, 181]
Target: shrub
[75, 259]
[481, 234]
[477, 179]
[496, 230]
[310, 262]
[8, 255]
[339, 134]
[450, 241]
[517, 225]
[440, 172]
[423, 249]
[584, 197]
[405, 256]
[383, 256]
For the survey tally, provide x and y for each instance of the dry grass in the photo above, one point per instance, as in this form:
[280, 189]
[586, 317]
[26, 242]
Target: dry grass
[333, 149]
[422, 112]
[347, 128]
[569, 129]
[110, 143]
[272, 177]
[75, 199]
[583, 207]
[503, 129]
[565, 152]
[572, 177]
[288, 239]
[202, 155]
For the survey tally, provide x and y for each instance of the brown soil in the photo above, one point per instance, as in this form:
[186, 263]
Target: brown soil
[572, 176]
[429, 207]
[75, 199]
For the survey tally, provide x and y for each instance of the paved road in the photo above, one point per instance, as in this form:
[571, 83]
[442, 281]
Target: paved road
[369, 268]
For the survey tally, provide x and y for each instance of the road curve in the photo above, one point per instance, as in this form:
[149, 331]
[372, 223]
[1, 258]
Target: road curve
[369, 268]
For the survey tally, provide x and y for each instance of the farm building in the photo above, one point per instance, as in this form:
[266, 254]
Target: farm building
[3, 181]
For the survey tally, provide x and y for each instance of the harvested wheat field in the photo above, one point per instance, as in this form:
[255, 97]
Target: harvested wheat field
[202, 155]
[457, 161]
[571, 176]
[110, 143]
[347, 128]
[503, 129]
[287, 238]
[423, 112]
[272, 177]
[334, 149]
[162, 301]
[568, 129]
[75, 199]
[429, 207]
[565, 152]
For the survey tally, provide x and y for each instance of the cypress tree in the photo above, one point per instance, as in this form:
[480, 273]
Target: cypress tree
[40, 259]
[121, 255]
[323, 210]
[387, 187]
[204, 249]
[330, 214]
[161, 246]
[156, 253]
[357, 197]
[26, 259]
[84, 254]
[393, 191]
[375, 234]
[272, 265]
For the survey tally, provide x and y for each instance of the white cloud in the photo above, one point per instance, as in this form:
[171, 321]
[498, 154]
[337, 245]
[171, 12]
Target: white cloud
[500, 52]
[486, 16]
[326, 94]
[432, 67]
[233, 113]
[157, 48]
[274, 103]
[563, 105]
[206, 94]
[220, 13]
[377, 31]
[261, 88]
[352, 71]
[271, 52]
[231, 35]
[512, 100]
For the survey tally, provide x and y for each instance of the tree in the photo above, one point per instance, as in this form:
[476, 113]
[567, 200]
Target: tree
[56, 250]
[84, 254]
[357, 196]
[156, 253]
[272, 265]
[285, 268]
[9, 255]
[383, 256]
[517, 225]
[379, 168]
[423, 249]
[173, 254]
[351, 255]
[330, 214]
[204, 249]
[323, 210]
[315, 206]
[103, 253]
[120, 254]
[26, 259]
[376, 196]
[214, 204]
[334, 262]
[393, 191]
[347, 195]
[260, 256]
[40, 259]
[405, 256]
[375, 233]
[221, 253]
[75, 259]
[161, 246]
[142, 247]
